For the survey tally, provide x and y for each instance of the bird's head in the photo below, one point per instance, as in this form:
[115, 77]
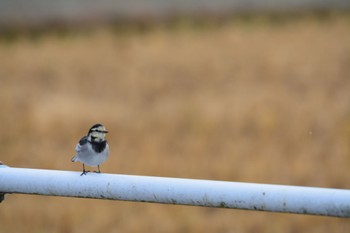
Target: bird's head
[97, 133]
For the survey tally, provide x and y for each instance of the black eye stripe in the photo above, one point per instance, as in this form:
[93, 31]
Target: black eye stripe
[100, 131]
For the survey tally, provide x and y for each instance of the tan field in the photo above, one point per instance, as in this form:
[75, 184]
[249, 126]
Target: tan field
[256, 101]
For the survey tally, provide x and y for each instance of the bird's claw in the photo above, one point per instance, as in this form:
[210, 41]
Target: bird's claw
[84, 172]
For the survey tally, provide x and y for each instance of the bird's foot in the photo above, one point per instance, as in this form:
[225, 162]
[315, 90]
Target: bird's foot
[84, 172]
[97, 171]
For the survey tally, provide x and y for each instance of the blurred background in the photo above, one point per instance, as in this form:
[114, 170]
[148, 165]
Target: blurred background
[227, 90]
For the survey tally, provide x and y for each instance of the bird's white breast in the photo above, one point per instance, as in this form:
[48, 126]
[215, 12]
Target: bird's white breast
[88, 156]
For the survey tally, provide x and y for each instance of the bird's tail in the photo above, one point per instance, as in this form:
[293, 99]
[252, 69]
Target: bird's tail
[74, 159]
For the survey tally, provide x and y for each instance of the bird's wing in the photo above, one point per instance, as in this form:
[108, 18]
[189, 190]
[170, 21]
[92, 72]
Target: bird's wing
[81, 145]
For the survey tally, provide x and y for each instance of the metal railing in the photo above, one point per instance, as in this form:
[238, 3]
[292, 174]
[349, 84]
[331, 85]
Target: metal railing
[44, 11]
[221, 194]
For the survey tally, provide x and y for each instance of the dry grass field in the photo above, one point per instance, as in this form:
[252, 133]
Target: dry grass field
[255, 101]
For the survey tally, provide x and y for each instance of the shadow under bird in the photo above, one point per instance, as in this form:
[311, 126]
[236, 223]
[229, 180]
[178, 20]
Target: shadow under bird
[92, 149]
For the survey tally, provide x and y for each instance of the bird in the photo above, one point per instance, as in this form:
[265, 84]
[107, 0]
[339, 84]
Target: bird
[92, 149]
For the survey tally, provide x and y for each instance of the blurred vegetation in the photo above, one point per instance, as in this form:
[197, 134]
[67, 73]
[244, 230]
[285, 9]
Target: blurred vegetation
[250, 99]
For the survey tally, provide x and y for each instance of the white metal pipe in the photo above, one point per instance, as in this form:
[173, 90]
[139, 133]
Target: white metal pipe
[249, 196]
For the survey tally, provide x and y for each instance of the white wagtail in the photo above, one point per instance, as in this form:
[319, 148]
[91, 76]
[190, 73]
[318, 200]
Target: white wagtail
[92, 149]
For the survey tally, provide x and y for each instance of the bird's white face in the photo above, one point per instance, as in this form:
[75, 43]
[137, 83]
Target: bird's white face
[97, 134]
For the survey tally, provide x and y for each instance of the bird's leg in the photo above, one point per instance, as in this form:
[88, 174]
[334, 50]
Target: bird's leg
[99, 171]
[84, 171]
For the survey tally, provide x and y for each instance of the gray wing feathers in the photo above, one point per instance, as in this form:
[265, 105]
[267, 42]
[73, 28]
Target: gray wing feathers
[80, 147]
